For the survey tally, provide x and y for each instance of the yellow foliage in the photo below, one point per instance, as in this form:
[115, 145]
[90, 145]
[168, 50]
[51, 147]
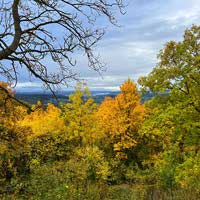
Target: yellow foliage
[79, 116]
[88, 161]
[10, 113]
[44, 122]
[122, 116]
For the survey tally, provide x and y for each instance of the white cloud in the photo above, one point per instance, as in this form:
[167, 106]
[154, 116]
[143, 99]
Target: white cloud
[28, 85]
[130, 51]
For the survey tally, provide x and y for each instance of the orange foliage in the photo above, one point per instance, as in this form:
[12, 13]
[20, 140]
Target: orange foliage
[121, 118]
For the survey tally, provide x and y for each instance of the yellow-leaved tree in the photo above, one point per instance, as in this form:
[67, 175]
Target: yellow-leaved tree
[43, 122]
[13, 147]
[79, 117]
[46, 130]
[121, 118]
[83, 133]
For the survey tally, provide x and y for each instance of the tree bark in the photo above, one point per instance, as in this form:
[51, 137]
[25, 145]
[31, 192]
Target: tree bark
[18, 32]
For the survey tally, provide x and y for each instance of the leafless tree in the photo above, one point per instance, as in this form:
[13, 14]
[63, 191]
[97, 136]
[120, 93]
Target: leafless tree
[36, 32]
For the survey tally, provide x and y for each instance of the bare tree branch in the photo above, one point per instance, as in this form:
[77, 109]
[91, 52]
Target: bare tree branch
[38, 33]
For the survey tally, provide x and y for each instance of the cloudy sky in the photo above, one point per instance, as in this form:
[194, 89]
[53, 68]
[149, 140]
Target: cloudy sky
[130, 51]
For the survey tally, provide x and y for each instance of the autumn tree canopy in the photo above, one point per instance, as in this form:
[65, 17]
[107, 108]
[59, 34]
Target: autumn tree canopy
[121, 118]
[117, 149]
[173, 125]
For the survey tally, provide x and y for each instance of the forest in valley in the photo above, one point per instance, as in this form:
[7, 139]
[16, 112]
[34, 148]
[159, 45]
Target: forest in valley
[118, 149]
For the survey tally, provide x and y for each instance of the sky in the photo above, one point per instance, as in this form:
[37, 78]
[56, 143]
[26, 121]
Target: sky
[130, 51]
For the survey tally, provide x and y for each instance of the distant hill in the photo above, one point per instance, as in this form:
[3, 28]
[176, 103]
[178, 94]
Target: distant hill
[46, 98]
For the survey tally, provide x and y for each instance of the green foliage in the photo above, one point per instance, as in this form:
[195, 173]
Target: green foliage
[173, 122]
[88, 163]
[120, 149]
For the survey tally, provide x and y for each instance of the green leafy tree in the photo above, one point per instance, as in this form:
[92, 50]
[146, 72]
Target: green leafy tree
[173, 124]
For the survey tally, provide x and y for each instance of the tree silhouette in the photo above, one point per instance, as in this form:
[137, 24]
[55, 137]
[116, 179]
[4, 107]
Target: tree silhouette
[36, 32]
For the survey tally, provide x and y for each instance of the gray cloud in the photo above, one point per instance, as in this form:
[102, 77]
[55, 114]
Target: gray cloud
[131, 50]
